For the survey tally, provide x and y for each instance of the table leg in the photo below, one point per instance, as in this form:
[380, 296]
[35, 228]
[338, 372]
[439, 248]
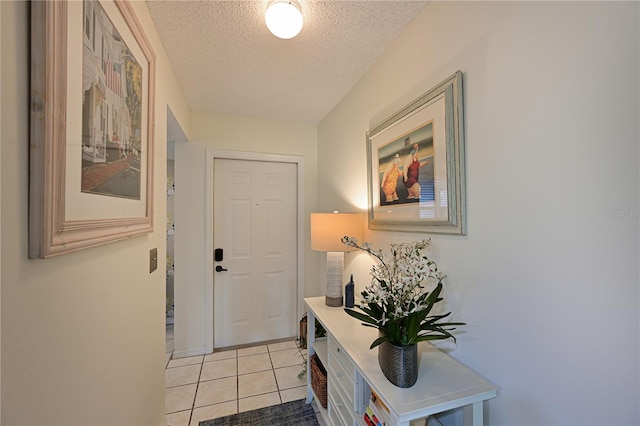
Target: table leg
[478, 417]
[311, 340]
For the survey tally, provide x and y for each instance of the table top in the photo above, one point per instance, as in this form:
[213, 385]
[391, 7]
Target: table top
[443, 382]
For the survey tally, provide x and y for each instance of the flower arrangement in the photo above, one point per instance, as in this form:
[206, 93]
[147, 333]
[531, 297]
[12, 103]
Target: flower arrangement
[396, 302]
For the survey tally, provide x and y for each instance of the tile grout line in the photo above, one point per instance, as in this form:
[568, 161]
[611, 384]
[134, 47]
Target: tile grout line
[273, 371]
[195, 395]
[237, 382]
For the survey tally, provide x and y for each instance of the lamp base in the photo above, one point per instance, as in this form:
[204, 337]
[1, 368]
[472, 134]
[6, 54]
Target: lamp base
[333, 301]
[335, 266]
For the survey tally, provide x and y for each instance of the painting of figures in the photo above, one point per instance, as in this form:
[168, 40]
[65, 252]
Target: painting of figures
[406, 168]
[111, 109]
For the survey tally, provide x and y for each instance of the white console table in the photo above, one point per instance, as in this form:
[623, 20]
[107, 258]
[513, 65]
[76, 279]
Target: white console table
[353, 372]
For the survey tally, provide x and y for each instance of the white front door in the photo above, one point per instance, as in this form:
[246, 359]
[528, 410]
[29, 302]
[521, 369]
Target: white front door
[255, 218]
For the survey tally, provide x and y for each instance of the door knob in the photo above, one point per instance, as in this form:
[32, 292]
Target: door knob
[220, 269]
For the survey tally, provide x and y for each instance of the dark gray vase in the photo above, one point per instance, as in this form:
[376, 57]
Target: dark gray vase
[399, 363]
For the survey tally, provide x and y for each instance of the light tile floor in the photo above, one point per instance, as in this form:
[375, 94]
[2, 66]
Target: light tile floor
[232, 381]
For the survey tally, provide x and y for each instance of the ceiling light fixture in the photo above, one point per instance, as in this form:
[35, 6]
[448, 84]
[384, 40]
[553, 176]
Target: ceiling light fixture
[284, 18]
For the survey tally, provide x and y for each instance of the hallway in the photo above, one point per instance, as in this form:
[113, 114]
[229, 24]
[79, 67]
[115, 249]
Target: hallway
[227, 382]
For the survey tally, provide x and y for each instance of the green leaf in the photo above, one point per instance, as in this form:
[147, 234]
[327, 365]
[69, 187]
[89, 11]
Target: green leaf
[375, 311]
[413, 326]
[378, 341]
[362, 317]
[432, 299]
[443, 334]
[369, 325]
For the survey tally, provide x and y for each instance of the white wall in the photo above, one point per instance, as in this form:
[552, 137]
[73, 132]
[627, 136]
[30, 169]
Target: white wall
[83, 338]
[547, 277]
[230, 133]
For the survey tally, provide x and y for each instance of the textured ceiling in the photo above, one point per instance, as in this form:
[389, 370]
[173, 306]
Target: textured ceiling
[227, 61]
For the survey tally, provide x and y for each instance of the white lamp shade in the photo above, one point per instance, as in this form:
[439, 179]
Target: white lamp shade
[284, 18]
[327, 230]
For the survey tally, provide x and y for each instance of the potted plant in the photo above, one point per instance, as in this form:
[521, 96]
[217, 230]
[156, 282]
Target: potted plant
[398, 304]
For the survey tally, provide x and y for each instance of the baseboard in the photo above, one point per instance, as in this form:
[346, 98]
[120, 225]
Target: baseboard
[189, 352]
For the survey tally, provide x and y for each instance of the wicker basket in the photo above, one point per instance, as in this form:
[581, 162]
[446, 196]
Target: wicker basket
[319, 380]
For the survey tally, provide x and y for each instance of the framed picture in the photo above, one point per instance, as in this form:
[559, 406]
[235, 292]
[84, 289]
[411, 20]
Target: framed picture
[92, 118]
[415, 162]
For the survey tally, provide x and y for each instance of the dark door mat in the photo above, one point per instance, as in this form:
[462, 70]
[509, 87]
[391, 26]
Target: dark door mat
[294, 413]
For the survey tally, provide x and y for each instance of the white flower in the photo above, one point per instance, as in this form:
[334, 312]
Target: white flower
[398, 295]
[397, 282]
[384, 319]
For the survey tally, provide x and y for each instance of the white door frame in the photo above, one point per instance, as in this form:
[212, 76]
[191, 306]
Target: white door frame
[211, 156]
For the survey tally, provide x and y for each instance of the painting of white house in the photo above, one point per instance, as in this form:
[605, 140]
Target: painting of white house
[111, 109]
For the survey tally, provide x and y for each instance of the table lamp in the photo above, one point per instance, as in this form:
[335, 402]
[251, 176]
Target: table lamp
[327, 230]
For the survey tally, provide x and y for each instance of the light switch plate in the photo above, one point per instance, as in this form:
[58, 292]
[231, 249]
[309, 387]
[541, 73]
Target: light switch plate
[153, 259]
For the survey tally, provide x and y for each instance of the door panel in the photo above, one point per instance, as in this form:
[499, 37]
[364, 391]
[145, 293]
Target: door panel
[240, 290]
[238, 222]
[255, 223]
[273, 309]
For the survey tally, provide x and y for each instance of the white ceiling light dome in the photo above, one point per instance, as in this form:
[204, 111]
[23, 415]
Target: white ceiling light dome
[284, 18]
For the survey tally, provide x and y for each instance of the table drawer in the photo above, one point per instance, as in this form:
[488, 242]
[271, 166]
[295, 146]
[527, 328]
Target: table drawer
[343, 379]
[338, 352]
[334, 419]
[339, 408]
